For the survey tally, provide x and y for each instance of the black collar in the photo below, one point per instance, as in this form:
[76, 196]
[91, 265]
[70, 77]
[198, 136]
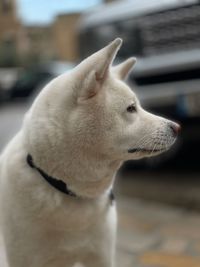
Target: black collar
[58, 184]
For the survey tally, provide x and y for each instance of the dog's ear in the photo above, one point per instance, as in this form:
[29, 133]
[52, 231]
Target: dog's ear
[122, 70]
[94, 70]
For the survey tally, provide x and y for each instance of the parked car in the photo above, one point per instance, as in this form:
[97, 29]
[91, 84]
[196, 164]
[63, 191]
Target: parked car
[165, 37]
[8, 77]
[31, 78]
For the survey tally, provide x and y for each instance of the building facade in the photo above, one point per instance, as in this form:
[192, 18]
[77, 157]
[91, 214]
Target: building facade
[9, 32]
[39, 43]
[20, 43]
[65, 37]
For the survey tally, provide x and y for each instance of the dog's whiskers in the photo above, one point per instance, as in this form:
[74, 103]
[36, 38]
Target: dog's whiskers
[157, 139]
[144, 141]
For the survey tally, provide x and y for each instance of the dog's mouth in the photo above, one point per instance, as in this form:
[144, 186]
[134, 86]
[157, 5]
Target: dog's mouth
[144, 150]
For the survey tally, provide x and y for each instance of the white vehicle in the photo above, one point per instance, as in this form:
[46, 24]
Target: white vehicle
[165, 37]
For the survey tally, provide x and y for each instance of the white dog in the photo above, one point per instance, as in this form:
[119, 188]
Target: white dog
[57, 205]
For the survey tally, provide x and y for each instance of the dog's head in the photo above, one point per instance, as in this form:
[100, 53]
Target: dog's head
[91, 113]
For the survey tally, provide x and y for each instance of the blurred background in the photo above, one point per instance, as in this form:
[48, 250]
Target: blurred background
[41, 39]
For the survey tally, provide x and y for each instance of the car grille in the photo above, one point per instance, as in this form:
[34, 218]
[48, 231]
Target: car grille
[170, 30]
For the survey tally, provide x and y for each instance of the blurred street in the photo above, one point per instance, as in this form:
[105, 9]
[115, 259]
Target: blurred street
[150, 234]
[11, 116]
[156, 235]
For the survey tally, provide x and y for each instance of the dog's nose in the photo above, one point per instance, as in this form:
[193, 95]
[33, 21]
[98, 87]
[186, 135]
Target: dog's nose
[175, 127]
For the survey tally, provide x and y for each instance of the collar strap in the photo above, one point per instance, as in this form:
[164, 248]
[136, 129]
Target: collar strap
[58, 184]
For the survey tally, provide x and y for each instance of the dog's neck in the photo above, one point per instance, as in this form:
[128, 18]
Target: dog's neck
[88, 178]
[95, 179]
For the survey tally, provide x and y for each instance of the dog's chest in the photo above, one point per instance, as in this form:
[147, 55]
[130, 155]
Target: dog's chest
[76, 225]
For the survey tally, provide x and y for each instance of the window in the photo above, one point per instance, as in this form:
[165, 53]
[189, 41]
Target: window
[6, 5]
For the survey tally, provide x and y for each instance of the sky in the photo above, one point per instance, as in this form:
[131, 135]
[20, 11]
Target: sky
[44, 11]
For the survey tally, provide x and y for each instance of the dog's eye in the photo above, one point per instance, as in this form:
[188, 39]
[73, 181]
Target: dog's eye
[132, 108]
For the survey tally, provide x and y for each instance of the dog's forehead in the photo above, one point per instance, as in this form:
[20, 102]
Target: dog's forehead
[123, 93]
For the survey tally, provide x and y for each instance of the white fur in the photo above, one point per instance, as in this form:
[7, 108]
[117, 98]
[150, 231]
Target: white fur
[78, 130]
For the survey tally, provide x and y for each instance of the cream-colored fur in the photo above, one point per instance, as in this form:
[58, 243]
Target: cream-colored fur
[78, 130]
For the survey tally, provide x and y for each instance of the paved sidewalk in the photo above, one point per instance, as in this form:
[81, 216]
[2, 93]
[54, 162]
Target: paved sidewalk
[155, 235]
